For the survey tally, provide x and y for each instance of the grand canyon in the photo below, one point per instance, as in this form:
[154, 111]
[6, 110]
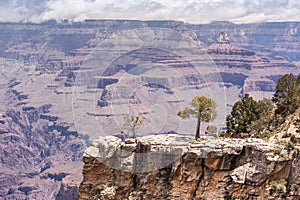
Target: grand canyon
[64, 84]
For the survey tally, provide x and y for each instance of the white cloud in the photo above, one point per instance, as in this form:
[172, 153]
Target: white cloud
[192, 11]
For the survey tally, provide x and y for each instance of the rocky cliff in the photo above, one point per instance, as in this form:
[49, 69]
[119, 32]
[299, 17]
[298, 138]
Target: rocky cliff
[178, 167]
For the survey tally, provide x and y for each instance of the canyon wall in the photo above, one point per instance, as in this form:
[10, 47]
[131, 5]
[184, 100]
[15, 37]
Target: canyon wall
[178, 167]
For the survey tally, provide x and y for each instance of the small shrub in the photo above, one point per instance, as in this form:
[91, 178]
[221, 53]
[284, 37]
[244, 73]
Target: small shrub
[289, 146]
[293, 139]
[286, 135]
[265, 135]
[101, 187]
[222, 134]
[244, 135]
[131, 125]
[277, 151]
[295, 153]
[116, 187]
[248, 160]
[279, 186]
[215, 135]
[212, 130]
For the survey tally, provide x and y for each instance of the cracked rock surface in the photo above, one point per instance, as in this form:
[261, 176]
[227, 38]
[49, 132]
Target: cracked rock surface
[178, 167]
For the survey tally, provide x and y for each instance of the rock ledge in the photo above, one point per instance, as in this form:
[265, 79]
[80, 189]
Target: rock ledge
[178, 167]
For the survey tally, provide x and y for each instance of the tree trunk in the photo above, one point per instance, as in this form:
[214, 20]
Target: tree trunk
[198, 128]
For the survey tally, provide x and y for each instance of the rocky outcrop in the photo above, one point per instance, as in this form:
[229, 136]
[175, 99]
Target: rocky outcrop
[69, 177]
[259, 85]
[103, 82]
[225, 54]
[178, 167]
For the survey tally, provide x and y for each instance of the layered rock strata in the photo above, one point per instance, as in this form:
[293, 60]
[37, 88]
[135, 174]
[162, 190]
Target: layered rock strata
[178, 167]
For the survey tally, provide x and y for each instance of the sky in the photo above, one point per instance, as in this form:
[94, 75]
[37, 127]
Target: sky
[190, 11]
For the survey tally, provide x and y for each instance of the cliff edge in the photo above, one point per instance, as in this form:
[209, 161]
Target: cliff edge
[178, 167]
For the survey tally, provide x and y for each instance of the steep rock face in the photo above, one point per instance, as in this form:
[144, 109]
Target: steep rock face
[205, 169]
[33, 155]
[69, 183]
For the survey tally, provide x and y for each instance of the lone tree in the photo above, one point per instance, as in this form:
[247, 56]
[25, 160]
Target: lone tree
[202, 108]
[131, 125]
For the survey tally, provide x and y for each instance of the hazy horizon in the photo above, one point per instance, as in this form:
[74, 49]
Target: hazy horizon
[189, 11]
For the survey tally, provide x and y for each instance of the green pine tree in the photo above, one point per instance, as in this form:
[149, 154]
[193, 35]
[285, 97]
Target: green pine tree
[286, 97]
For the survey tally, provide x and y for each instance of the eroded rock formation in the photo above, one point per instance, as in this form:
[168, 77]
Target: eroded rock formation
[205, 169]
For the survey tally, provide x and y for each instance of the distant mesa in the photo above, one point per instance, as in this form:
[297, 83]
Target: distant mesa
[222, 48]
[223, 38]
